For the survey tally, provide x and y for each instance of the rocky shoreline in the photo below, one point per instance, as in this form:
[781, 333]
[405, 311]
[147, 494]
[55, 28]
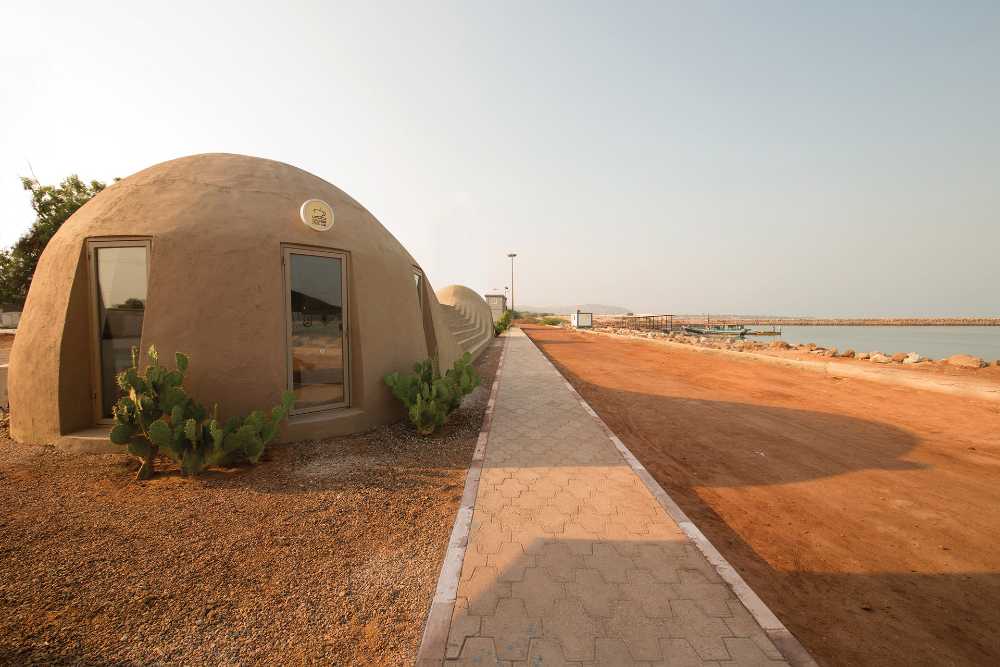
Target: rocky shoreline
[830, 322]
[965, 361]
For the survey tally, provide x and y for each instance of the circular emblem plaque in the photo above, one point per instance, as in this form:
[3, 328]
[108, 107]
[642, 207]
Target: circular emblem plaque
[317, 214]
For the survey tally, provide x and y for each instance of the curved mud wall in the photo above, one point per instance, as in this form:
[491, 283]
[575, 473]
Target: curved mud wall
[473, 308]
[217, 225]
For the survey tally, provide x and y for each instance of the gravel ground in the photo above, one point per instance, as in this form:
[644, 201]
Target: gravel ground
[327, 552]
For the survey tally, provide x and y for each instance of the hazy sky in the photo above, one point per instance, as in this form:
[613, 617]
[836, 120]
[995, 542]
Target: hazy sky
[751, 157]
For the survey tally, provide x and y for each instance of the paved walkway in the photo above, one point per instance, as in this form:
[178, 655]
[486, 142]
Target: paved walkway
[571, 559]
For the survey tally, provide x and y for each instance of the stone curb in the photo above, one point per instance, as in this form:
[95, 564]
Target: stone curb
[434, 642]
[888, 376]
[783, 639]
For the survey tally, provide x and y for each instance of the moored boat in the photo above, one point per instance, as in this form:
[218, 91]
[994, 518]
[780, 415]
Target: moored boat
[718, 330]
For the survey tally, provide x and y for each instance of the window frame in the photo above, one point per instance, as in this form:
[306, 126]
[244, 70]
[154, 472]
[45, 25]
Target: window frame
[419, 285]
[426, 319]
[287, 250]
[91, 247]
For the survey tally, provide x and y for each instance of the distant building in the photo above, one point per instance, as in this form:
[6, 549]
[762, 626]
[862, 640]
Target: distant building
[497, 304]
[581, 320]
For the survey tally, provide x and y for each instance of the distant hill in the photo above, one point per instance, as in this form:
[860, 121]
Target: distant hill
[596, 308]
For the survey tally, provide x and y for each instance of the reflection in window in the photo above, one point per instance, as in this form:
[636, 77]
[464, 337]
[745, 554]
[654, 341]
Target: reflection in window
[418, 279]
[317, 330]
[121, 305]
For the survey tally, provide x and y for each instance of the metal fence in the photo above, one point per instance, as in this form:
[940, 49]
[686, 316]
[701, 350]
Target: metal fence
[648, 323]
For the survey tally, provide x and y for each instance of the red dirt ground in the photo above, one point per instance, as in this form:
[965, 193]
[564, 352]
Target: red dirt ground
[866, 516]
[327, 553]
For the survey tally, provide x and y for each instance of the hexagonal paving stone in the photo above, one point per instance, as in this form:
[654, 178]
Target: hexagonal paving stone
[511, 629]
[511, 561]
[652, 597]
[746, 653]
[679, 653]
[661, 560]
[547, 653]
[559, 560]
[463, 625]
[703, 632]
[573, 628]
[538, 590]
[710, 597]
[613, 653]
[597, 595]
[478, 652]
[613, 566]
[639, 632]
[482, 590]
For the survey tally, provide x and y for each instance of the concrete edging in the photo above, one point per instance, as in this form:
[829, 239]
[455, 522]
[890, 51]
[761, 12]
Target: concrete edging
[887, 376]
[783, 639]
[434, 642]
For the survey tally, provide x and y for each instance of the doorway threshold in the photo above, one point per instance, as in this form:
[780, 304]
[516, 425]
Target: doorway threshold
[93, 440]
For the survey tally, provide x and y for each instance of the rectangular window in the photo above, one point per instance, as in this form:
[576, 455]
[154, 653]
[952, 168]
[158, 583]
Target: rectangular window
[119, 272]
[317, 328]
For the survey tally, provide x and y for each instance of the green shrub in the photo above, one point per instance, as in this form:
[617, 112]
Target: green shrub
[503, 324]
[552, 321]
[429, 398]
[157, 416]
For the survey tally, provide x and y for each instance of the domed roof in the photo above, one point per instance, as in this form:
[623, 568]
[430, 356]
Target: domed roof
[221, 197]
[217, 229]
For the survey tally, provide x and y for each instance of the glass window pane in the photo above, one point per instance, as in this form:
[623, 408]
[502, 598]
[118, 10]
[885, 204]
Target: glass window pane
[317, 336]
[121, 304]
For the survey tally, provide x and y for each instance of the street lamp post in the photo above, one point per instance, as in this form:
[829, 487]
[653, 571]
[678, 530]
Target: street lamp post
[512, 255]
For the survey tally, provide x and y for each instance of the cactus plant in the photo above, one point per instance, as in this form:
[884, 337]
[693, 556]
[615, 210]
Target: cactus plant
[157, 416]
[503, 323]
[430, 398]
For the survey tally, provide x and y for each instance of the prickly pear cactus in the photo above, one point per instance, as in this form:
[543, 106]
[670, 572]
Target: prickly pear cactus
[148, 398]
[430, 398]
[463, 378]
[156, 416]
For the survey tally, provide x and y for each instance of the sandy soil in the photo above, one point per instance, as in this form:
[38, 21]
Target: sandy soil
[326, 553]
[864, 514]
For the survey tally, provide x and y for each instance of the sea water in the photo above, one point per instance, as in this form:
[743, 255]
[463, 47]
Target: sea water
[933, 342]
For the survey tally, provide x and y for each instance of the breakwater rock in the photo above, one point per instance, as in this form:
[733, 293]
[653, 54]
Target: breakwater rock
[746, 345]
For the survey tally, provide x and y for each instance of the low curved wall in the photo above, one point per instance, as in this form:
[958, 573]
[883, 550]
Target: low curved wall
[471, 320]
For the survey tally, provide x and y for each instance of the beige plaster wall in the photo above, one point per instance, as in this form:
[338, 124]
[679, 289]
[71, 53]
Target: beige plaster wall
[217, 225]
[474, 307]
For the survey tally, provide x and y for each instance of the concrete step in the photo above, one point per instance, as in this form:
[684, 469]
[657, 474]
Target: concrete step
[90, 441]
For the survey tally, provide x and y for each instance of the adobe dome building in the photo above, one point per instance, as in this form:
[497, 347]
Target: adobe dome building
[468, 316]
[269, 277]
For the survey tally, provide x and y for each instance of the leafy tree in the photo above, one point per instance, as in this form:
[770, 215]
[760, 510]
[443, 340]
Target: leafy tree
[52, 204]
